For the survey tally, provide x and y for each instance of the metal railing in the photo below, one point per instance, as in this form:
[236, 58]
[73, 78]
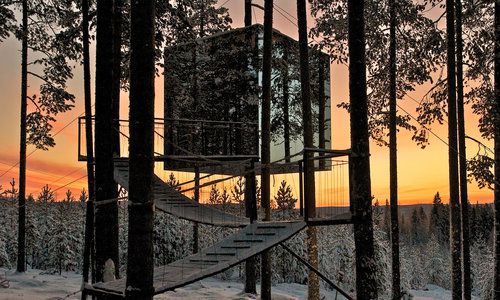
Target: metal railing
[211, 138]
[190, 139]
[331, 185]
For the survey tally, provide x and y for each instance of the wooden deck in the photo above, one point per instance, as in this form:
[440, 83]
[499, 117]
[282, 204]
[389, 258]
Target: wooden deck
[169, 200]
[250, 241]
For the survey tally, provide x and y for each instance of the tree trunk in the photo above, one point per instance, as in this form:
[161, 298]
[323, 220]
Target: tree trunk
[393, 164]
[251, 212]
[309, 188]
[106, 215]
[366, 287]
[455, 223]
[250, 205]
[248, 13]
[117, 43]
[21, 236]
[496, 284]
[464, 201]
[141, 209]
[266, 141]
[117, 57]
[89, 212]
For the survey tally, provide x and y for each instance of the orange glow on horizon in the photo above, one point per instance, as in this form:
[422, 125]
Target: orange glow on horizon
[422, 172]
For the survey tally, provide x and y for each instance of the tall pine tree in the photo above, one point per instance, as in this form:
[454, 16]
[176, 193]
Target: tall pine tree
[366, 287]
[266, 141]
[309, 182]
[141, 213]
[455, 217]
[106, 215]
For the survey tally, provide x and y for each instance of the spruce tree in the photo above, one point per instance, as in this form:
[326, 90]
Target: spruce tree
[284, 197]
[214, 197]
[4, 256]
[238, 192]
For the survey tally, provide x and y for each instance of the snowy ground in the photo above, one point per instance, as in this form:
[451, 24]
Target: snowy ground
[434, 292]
[35, 285]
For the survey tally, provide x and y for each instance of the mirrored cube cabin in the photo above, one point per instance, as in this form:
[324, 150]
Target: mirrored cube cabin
[213, 101]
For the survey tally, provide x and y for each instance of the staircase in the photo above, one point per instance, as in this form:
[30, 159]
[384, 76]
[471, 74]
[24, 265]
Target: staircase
[171, 201]
[247, 242]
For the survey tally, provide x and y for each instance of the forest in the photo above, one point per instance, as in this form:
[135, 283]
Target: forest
[56, 241]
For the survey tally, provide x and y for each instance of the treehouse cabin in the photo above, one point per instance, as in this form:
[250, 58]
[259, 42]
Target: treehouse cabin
[213, 100]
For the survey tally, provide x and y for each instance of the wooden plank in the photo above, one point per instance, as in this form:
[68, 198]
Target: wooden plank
[270, 226]
[236, 247]
[248, 240]
[264, 233]
[221, 254]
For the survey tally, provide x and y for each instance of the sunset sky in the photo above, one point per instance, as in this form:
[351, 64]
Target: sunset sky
[422, 172]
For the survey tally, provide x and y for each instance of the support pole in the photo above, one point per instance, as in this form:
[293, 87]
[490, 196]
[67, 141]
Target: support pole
[308, 265]
[250, 193]
[196, 199]
[251, 212]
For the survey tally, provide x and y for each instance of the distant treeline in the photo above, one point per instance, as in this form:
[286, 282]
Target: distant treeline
[55, 241]
[420, 224]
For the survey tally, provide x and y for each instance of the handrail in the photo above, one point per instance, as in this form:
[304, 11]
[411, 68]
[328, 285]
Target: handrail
[324, 156]
[162, 121]
[188, 126]
[342, 152]
[210, 121]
